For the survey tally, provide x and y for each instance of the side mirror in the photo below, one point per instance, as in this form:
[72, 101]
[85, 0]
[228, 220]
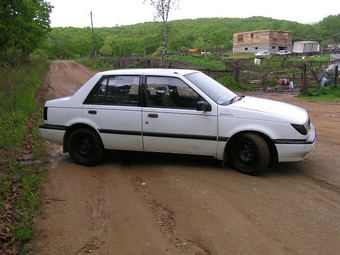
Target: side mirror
[203, 106]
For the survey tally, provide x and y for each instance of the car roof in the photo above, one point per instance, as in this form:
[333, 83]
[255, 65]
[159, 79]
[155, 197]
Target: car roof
[78, 97]
[148, 71]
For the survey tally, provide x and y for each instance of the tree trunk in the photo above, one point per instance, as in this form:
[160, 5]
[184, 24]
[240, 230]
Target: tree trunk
[164, 43]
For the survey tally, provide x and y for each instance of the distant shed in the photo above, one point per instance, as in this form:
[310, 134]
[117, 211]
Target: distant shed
[306, 47]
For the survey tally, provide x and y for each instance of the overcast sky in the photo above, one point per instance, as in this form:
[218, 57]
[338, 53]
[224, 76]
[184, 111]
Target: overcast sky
[109, 13]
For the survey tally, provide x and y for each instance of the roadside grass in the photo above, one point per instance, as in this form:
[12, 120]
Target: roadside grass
[99, 64]
[191, 61]
[325, 94]
[20, 114]
[17, 90]
[197, 61]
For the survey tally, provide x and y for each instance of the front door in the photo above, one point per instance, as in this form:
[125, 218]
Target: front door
[171, 122]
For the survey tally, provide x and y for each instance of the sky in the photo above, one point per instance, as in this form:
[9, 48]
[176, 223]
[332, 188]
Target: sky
[110, 13]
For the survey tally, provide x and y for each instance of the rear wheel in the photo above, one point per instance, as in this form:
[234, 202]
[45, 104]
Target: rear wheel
[249, 154]
[85, 147]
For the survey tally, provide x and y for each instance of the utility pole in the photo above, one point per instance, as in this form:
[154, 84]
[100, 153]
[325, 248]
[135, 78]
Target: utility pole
[93, 38]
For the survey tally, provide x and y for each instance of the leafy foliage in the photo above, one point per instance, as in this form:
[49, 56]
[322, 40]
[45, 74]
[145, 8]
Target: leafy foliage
[207, 34]
[319, 93]
[23, 26]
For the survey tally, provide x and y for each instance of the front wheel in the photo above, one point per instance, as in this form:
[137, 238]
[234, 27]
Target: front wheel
[85, 147]
[249, 154]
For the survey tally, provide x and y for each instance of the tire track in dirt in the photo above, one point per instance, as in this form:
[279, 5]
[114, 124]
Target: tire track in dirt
[324, 184]
[100, 217]
[65, 78]
[273, 208]
[244, 220]
[164, 216]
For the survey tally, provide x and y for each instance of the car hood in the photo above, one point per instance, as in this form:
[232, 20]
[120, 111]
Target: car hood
[266, 109]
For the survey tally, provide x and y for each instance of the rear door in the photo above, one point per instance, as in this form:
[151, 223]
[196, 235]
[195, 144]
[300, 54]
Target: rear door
[171, 122]
[113, 108]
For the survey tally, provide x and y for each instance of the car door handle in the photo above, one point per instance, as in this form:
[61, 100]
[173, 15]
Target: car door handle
[93, 112]
[153, 115]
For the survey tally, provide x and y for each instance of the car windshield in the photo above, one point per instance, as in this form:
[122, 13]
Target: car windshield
[216, 91]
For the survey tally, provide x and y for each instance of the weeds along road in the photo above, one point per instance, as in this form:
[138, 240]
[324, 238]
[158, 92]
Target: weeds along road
[138, 203]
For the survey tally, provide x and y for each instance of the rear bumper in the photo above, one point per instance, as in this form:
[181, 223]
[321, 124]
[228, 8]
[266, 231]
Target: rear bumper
[53, 133]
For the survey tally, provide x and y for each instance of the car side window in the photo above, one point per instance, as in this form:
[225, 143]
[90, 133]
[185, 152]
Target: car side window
[115, 90]
[170, 92]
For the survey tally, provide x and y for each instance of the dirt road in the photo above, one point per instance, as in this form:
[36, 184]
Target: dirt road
[135, 203]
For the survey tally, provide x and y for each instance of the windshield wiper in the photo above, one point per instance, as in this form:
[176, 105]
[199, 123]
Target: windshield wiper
[234, 98]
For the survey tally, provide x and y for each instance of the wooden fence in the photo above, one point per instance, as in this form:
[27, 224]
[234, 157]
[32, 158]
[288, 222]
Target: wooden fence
[266, 76]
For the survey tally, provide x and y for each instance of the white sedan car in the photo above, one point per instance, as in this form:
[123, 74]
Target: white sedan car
[262, 54]
[176, 111]
[283, 52]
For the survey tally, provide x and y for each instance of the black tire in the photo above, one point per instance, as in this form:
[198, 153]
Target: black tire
[85, 147]
[249, 154]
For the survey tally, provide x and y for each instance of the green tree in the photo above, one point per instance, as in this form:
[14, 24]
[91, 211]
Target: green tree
[118, 46]
[80, 41]
[82, 45]
[212, 34]
[150, 43]
[218, 38]
[328, 28]
[23, 25]
[114, 43]
[201, 44]
[59, 41]
[163, 8]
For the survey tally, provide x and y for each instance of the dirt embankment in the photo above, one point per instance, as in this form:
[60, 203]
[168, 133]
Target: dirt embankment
[136, 203]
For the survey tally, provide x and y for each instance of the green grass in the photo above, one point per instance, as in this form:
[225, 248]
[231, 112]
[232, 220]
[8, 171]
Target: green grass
[198, 61]
[98, 64]
[233, 85]
[17, 103]
[30, 180]
[20, 184]
[325, 94]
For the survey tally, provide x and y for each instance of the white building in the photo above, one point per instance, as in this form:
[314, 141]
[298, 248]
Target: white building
[306, 47]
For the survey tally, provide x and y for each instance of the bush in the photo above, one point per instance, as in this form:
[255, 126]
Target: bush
[328, 93]
[100, 63]
[231, 84]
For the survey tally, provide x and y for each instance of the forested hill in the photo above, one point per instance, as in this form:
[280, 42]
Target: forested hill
[213, 34]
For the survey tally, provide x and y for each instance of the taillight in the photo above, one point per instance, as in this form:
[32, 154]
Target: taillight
[45, 113]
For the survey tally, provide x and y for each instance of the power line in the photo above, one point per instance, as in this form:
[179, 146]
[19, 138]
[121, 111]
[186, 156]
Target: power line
[319, 39]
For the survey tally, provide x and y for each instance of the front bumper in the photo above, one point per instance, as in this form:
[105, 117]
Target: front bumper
[296, 150]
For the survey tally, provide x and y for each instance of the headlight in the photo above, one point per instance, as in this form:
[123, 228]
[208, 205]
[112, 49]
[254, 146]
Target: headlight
[302, 129]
